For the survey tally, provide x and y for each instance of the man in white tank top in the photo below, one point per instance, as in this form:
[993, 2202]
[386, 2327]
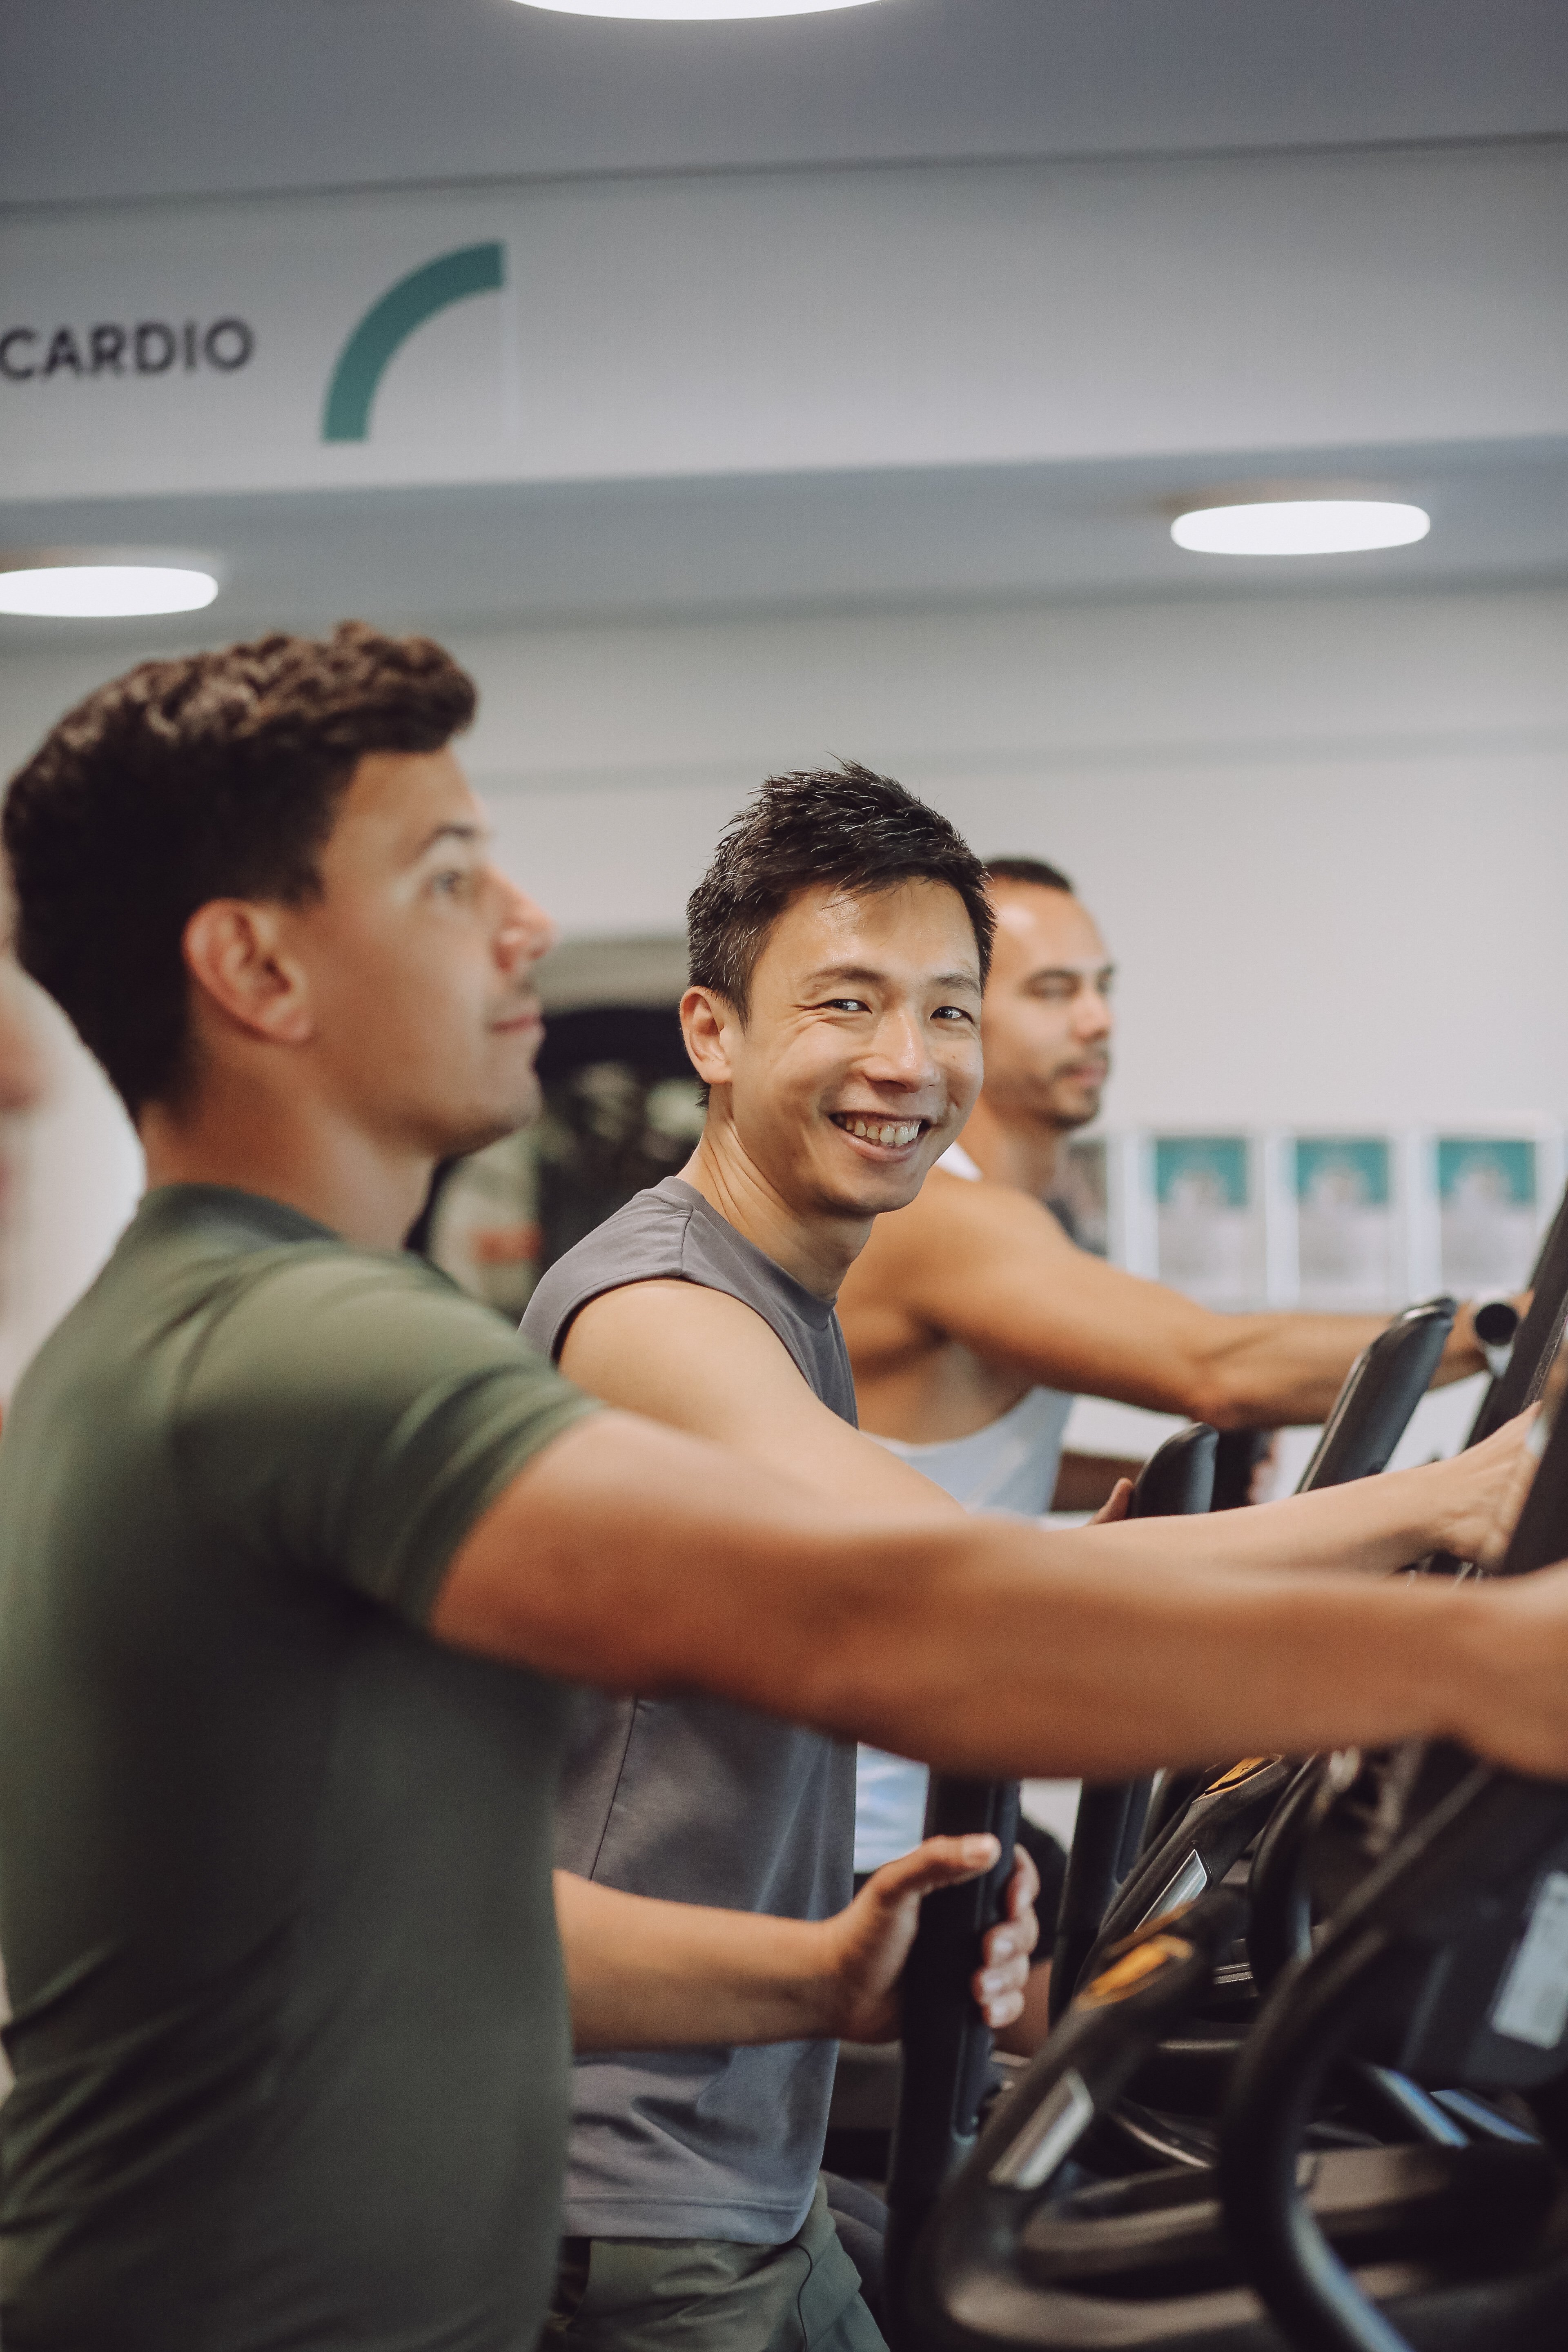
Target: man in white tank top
[1009, 1465]
[973, 1319]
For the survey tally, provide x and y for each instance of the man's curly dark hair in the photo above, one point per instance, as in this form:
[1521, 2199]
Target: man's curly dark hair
[215, 775]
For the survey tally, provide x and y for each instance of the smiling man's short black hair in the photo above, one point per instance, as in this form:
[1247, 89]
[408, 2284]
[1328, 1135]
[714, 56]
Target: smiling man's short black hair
[217, 776]
[845, 825]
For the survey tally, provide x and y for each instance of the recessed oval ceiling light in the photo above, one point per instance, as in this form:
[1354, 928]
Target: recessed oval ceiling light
[1301, 526]
[692, 10]
[103, 592]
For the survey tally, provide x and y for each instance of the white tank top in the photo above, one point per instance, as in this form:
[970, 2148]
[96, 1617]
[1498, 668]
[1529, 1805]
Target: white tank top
[1010, 1466]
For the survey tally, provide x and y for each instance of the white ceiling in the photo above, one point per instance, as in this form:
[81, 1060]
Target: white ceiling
[460, 557]
[187, 98]
[198, 97]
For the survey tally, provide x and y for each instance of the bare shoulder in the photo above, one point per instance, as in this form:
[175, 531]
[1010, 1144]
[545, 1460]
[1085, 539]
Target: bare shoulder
[956, 1222]
[675, 1351]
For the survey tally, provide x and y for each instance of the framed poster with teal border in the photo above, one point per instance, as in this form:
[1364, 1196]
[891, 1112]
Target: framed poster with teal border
[1349, 1235]
[1208, 1217]
[1491, 1209]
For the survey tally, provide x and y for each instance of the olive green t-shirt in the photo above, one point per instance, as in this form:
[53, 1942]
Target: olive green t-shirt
[288, 2025]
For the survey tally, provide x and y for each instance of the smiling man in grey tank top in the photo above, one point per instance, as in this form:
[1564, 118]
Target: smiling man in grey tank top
[838, 947]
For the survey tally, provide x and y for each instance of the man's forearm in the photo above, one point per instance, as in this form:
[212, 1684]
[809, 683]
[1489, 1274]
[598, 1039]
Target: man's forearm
[1274, 1370]
[646, 1975]
[640, 1560]
[1177, 1670]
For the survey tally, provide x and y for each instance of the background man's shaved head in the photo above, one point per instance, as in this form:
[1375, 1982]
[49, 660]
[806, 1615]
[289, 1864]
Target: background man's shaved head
[1028, 869]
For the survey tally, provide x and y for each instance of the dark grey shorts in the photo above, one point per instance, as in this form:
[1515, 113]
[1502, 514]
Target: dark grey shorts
[707, 2295]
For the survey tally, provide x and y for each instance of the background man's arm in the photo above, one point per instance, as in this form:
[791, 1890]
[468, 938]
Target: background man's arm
[641, 1558]
[986, 1265]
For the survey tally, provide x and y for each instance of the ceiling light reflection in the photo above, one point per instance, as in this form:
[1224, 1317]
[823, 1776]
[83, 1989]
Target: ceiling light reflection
[692, 11]
[1301, 526]
[103, 591]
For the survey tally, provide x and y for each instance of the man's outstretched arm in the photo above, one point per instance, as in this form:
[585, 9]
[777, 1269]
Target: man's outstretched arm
[644, 1559]
[698, 1360]
[986, 1265]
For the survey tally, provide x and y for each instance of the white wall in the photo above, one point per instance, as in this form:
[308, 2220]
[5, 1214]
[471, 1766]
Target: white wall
[1327, 839]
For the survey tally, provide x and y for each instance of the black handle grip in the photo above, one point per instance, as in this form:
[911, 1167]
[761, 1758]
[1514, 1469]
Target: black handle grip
[947, 2044]
[1236, 1459]
[1382, 1389]
[1536, 1340]
[946, 2041]
[1177, 1478]
[1540, 1532]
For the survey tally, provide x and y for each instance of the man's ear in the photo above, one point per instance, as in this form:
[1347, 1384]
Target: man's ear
[235, 951]
[707, 1020]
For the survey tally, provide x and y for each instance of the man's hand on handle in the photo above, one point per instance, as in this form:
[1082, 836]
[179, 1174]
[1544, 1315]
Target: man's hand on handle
[871, 1939]
[1484, 1490]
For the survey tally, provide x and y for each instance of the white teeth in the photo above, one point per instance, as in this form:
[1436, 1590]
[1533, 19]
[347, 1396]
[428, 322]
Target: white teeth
[872, 1130]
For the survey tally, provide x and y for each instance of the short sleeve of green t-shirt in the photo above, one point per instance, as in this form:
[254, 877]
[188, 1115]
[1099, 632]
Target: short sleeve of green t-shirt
[353, 1416]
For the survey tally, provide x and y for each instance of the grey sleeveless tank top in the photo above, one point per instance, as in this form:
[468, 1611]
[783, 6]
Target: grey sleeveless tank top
[698, 1800]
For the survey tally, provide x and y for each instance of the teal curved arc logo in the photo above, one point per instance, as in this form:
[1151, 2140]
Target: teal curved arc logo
[387, 325]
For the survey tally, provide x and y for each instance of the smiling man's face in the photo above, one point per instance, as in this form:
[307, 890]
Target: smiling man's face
[1047, 1010]
[859, 1058]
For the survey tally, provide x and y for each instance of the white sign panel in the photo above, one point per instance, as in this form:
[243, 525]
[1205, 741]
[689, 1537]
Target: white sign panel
[764, 322]
[259, 347]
